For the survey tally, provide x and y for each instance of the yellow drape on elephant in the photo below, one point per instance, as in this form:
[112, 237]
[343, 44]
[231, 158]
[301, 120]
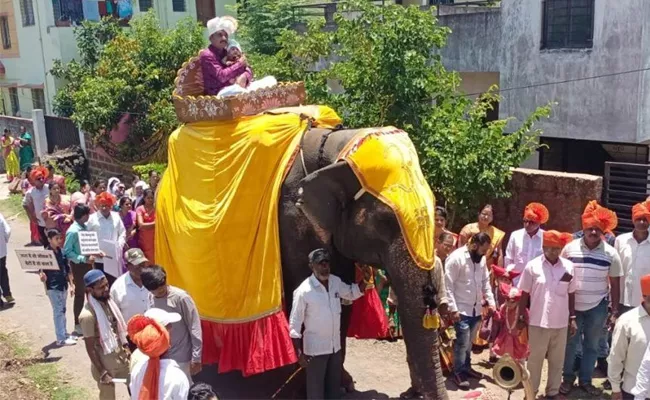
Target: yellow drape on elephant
[387, 165]
[217, 211]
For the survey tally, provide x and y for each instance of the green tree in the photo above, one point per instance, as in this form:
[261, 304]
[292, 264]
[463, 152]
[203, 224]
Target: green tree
[387, 61]
[126, 72]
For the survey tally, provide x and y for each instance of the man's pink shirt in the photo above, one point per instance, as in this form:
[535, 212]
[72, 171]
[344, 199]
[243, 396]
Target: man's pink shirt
[549, 297]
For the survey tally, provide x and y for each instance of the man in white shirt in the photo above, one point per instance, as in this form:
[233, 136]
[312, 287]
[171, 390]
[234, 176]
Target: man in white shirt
[629, 342]
[642, 389]
[5, 289]
[317, 306]
[634, 250]
[127, 292]
[34, 200]
[110, 229]
[526, 244]
[172, 382]
[468, 284]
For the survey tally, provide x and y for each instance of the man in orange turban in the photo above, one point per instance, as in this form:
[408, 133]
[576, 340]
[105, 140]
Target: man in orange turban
[634, 250]
[552, 315]
[526, 243]
[597, 270]
[111, 234]
[34, 200]
[151, 377]
[629, 343]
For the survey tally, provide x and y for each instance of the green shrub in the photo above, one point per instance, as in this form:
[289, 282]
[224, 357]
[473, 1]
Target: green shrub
[144, 169]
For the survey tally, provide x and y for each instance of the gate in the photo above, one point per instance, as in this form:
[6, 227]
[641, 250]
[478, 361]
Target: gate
[624, 185]
[61, 133]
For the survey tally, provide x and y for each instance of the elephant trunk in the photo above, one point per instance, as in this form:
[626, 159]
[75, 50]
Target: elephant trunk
[408, 281]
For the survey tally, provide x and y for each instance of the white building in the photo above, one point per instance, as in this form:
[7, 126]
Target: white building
[34, 33]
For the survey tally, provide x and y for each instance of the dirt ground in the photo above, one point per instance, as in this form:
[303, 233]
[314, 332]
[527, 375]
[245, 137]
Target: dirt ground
[378, 367]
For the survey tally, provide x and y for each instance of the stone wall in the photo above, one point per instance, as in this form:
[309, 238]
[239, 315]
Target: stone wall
[102, 165]
[564, 194]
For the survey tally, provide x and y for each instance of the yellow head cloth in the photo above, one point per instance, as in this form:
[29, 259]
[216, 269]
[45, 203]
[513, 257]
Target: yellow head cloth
[387, 165]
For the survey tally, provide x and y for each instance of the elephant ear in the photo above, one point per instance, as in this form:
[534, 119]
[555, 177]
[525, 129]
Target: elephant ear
[324, 194]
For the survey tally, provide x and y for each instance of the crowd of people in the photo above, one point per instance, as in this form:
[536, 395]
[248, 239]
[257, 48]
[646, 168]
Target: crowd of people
[570, 294]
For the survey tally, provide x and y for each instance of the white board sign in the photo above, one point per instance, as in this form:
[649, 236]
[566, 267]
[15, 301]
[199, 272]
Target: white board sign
[89, 243]
[37, 259]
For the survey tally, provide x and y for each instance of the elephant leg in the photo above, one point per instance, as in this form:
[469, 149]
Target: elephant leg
[421, 344]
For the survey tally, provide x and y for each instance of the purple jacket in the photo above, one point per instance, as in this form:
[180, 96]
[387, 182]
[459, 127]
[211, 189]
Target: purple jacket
[216, 75]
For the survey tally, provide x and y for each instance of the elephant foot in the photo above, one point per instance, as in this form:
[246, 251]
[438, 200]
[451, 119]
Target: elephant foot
[411, 393]
[347, 382]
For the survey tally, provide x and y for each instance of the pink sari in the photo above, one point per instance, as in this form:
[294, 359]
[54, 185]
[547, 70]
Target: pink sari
[55, 214]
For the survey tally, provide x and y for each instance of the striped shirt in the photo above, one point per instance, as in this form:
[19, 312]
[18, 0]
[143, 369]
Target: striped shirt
[592, 267]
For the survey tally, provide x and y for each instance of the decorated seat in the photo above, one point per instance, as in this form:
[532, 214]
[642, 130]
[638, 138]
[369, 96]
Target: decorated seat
[193, 106]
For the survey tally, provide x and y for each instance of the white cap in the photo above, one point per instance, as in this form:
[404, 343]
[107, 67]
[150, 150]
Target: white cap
[227, 24]
[163, 317]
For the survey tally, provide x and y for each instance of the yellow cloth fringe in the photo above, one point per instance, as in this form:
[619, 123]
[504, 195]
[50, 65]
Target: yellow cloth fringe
[387, 165]
[217, 211]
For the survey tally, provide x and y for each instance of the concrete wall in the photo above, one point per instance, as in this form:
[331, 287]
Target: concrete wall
[598, 109]
[508, 40]
[475, 41]
[564, 194]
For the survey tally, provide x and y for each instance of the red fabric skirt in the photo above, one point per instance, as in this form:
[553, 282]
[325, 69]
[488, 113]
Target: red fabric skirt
[250, 347]
[368, 319]
[33, 228]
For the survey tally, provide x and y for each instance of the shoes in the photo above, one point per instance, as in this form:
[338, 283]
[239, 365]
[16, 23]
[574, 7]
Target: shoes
[472, 373]
[591, 389]
[10, 299]
[607, 385]
[68, 342]
[461, 381]
[77, 331]
[411, 393]
[566, 387]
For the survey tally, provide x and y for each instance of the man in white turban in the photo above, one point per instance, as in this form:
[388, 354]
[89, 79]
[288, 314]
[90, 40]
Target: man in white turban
[216, 74]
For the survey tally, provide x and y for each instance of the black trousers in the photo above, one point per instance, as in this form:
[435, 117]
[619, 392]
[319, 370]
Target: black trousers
[78, 272]
[4, 278]
[324, 376]
[43, 236]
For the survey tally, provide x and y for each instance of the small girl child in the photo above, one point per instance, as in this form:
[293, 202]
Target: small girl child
[243, 83]
[57, 283]
[506, 334]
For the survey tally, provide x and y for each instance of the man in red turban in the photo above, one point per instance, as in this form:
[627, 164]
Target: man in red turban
[111, 234]
[151, 377]
[526, 243]
[34, 200]
[634, 250]
[548, 283]
[629, 344]
[597, 270]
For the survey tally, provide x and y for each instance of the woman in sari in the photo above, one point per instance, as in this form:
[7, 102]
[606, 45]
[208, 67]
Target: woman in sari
[11, 159]
[368, 319]
[57, 213]
[146, 214]
[484, 224]
[494, 255]
[441, 225]
[130, 220]
[26, 152]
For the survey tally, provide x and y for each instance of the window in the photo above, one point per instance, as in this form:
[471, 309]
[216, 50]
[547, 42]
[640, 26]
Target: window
[13, 98]
[205, 10]
[145, 5]
[38, 99]
[27, 11]
[178, 5]
[567, 24]
[67, 11]
[4, 32]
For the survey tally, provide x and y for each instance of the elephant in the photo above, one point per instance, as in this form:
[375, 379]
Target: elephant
[320, 207]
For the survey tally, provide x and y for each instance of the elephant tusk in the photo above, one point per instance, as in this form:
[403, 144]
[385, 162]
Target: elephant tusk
[359, 194]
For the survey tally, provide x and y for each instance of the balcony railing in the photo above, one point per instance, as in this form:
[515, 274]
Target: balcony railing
[327, 10]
